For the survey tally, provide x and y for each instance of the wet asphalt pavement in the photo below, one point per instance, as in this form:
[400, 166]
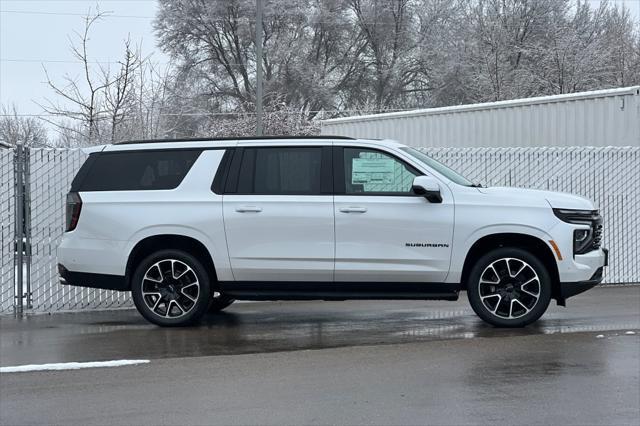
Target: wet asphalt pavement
[383, 362]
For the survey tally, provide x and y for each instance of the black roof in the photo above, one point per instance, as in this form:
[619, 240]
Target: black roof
[231, 139]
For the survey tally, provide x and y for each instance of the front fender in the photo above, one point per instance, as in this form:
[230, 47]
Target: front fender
[462, 247]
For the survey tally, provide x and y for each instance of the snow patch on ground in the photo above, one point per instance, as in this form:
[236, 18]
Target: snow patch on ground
[71, 365]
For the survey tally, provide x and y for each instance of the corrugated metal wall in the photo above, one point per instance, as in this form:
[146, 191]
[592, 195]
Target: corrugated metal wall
[601, 118]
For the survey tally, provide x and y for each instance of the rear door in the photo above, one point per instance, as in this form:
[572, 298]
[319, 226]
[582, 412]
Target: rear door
[384, 232]
[278, 213]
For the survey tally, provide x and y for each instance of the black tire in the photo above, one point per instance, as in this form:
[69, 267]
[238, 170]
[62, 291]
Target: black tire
[182, 290]
[219, 303]
[491, 301]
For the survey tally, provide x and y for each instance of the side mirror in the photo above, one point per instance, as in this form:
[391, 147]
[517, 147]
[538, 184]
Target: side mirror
[428, 187]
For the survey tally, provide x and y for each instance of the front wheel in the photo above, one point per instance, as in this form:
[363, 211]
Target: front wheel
[509, 287]
[171, 288]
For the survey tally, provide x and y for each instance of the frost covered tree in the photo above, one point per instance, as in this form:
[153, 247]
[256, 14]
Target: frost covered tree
[326, 58]
[16, 129]
[310, 53]
[108, 103]
[622, 37]
[78, 102]
[330, 56]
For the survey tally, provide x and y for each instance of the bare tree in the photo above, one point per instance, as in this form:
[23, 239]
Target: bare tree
[81, 100]
[15, 129]
[310, 53]
[388, 28]
[119, 89]
[575, 56]
[153, 87]
[157, 104]
[329, 56]
[621, 35]
[95, 106]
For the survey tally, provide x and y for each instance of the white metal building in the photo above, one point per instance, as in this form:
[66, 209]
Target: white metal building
[600, 118]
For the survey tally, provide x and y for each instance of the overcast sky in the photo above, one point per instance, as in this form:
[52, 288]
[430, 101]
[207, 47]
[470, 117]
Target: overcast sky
[34, 33]
[29, 40]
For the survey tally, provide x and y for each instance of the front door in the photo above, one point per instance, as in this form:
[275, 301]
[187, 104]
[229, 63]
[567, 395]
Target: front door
[384, 232]
[278, 214]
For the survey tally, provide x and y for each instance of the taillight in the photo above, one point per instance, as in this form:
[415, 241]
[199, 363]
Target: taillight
[74, 205]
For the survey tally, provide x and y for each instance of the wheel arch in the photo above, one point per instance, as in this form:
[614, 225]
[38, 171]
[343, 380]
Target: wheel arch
[154, 243]
[532, 244]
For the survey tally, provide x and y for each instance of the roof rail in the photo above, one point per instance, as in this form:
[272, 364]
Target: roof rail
[230, 139]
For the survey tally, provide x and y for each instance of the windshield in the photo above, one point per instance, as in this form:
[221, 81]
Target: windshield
[438, 167]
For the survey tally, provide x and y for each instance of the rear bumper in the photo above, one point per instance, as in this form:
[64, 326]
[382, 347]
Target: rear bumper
[85, 279]
[99, 256]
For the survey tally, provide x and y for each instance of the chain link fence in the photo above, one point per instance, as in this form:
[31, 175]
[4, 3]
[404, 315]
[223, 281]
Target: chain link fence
[7, 232]
[47, 178]
[50, 175]
[608, 176]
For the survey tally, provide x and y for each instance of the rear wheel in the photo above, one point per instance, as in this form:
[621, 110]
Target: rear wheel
[171, 288]
[509, 287]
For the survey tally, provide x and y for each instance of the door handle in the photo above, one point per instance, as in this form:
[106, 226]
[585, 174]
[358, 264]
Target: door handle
[353, 209]
[248, 209]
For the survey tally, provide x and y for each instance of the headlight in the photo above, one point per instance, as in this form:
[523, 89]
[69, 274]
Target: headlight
[581, 240]
[584, 240]
[579, 217]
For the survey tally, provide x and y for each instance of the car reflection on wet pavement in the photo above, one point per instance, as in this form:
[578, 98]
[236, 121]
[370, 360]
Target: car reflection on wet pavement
[285, 326]
[408, 362]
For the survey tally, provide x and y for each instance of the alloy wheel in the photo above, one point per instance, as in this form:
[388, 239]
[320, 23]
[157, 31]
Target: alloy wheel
[509, 288]
[170, 288]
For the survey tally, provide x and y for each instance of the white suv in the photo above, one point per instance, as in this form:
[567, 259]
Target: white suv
[191, 226]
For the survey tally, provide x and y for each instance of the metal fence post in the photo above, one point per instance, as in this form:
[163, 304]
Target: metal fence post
[19, 230]
[27, 225]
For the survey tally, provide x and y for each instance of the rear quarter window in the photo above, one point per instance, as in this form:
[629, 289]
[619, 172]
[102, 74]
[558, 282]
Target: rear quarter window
[134, 171]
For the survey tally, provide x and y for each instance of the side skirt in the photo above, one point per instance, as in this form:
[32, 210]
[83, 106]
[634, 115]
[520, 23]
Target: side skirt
[313, 290]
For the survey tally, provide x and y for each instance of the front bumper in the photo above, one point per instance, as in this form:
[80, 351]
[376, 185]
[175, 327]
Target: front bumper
[581, 267]
[569, 289]
[572, 288]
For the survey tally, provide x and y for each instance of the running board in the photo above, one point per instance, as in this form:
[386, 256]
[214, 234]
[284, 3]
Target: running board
[313, 290]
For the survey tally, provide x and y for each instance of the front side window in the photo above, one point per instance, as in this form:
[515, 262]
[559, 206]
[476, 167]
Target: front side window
[375, 172]
[280, 171]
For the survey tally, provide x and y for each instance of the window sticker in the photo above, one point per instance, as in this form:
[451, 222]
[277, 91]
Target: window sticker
[372, 170]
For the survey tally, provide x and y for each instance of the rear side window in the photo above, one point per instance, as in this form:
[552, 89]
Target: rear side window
[135, 171]
[280, 171]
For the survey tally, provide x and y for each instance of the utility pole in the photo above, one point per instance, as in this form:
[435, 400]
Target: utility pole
[259, 5]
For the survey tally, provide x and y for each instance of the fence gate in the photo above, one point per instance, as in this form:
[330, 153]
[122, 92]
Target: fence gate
[34, 184]
[38, 180]
[7, 231]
